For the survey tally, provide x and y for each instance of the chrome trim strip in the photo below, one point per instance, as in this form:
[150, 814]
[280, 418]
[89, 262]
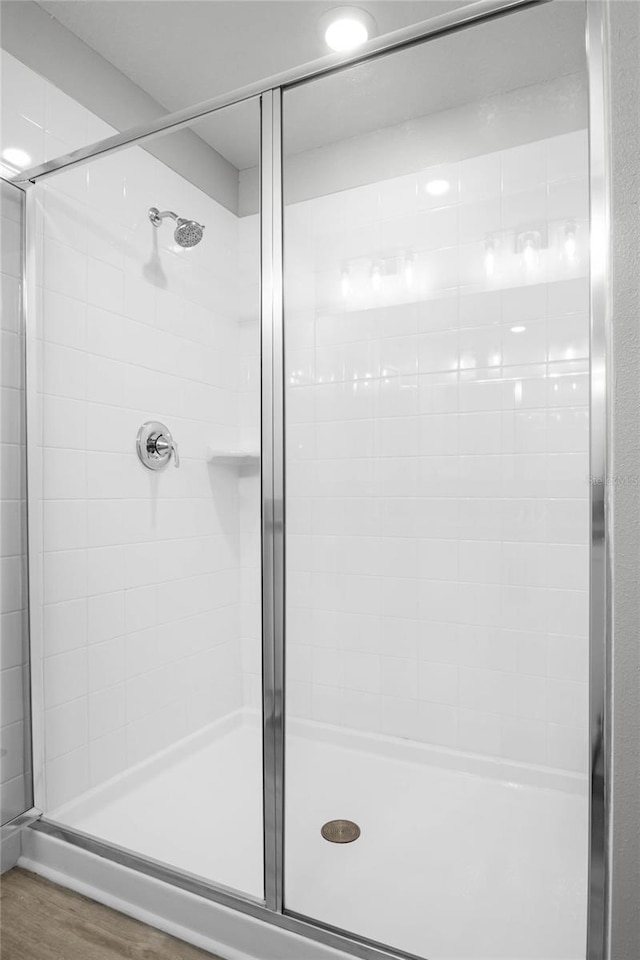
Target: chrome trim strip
[278, 506]
[272, 188]
[328, 936]
[227, 896]
[350, 935]
[600, 419]
[33, 428]
[29, 295]
[481, 10]
[271, 695]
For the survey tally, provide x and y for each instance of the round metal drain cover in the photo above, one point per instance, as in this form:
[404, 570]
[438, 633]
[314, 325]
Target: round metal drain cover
[340, 831]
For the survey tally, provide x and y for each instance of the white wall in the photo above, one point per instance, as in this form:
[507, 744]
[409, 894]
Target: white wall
[15, 774]
[437, 435]
[141, 571]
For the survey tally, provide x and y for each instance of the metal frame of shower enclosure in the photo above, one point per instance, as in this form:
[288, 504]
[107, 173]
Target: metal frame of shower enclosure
[32, 812]
[272, 909]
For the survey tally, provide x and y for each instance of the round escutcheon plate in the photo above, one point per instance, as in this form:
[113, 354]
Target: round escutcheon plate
[340, 831]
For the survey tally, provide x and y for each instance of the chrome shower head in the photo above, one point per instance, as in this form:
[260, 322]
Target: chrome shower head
[188, 233]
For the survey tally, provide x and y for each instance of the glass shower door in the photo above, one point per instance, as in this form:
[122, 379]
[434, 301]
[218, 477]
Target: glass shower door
[149, 397]
[436, 245]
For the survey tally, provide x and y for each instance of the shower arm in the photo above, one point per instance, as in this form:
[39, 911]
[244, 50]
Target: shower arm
[157, 217]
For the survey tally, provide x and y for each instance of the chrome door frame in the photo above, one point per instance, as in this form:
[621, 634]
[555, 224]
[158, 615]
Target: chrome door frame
[273, 578]
[272, 909]
[601, 528]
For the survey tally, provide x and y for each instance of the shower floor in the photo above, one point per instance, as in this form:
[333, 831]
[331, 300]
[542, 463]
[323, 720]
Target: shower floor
[477, 865]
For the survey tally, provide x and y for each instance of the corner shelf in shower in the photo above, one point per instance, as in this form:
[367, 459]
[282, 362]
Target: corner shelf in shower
[235, 458]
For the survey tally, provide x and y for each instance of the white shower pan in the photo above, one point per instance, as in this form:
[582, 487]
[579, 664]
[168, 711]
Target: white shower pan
[475, 851]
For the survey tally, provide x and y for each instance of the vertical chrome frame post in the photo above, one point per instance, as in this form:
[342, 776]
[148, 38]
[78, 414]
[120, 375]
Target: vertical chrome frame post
[272, 496]
[600, 413]
[33, 430]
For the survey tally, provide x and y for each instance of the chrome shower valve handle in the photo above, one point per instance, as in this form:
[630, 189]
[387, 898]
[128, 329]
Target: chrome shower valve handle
[155, 445]
[165, 445]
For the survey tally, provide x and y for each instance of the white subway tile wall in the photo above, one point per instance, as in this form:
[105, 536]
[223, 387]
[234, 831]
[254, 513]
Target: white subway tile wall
[144, 601]
[15, 776]
[437, 468]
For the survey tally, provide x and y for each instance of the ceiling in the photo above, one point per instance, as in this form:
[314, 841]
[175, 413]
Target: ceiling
[184, 51]
[470, 66]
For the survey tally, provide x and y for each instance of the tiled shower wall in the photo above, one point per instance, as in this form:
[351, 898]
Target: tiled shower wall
[140, 578]
[140, 573]
[437, 468]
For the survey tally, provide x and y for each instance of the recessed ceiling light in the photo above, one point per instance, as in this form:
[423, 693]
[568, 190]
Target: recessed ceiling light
[16, 157]
[346, 28]
[518, 329]
[437, 188]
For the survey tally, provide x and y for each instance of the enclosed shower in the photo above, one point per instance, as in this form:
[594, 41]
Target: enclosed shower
[315, 602]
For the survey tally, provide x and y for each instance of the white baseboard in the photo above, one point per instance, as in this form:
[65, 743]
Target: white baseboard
[227, 933]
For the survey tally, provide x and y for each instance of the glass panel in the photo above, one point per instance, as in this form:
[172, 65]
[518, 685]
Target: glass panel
[151, 499]
[437, 389]
[15, 739]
